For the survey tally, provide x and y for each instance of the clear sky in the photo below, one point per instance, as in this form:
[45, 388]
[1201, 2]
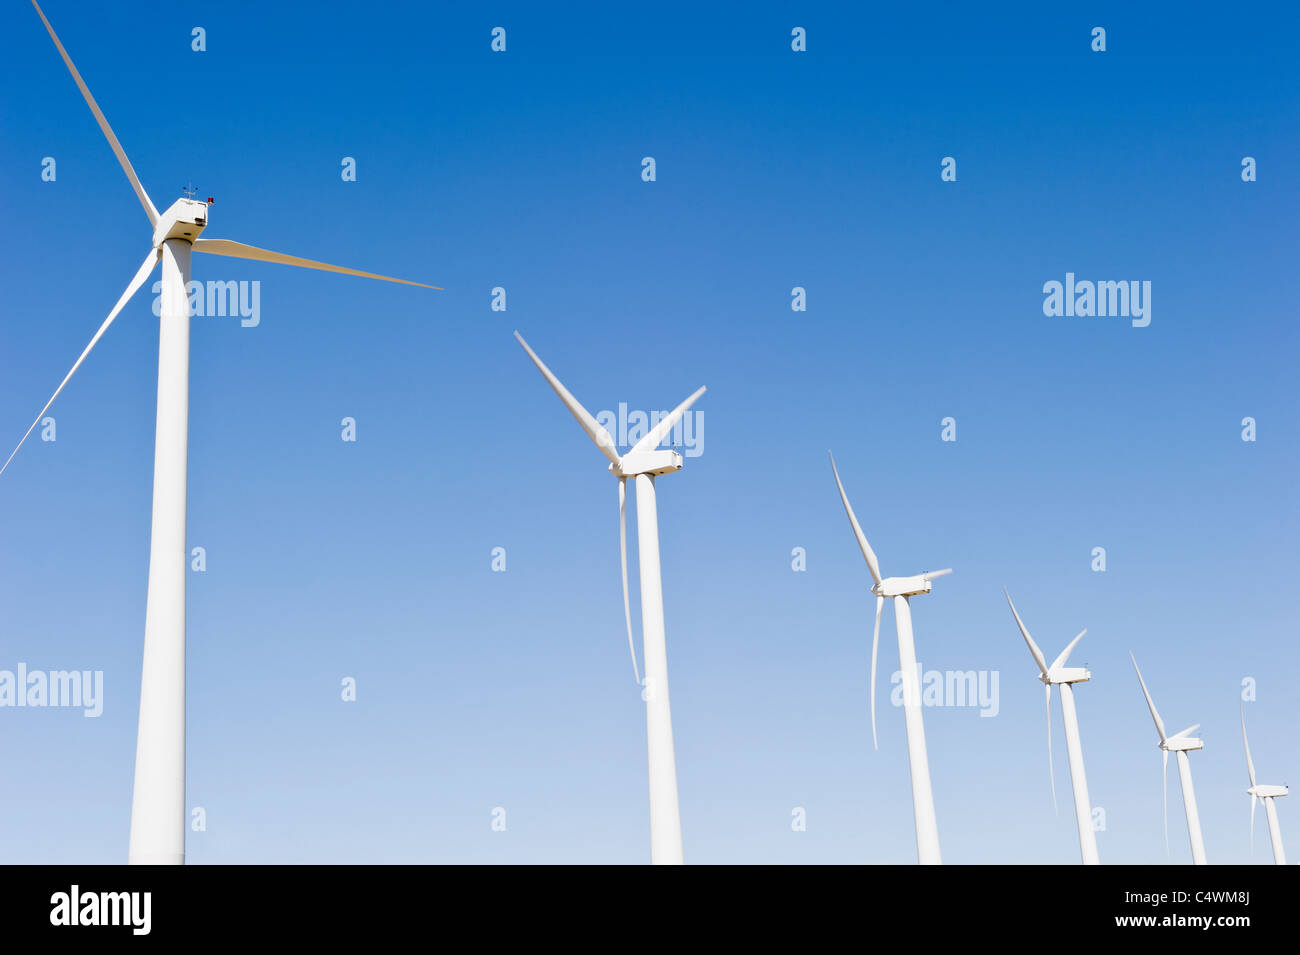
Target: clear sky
[774, 169]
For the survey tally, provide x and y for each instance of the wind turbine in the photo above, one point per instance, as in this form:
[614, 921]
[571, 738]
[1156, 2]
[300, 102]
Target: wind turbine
[1181, 743]
[1267, 794]
[901, 589]
[1065, 677]
[644, 462]
[158, 801]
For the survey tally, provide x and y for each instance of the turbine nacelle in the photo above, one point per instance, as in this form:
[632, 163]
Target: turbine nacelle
[901, 587]
[183, 219]
[654, 463]
[907, 586]
[1060, 675]
[1175, 744]
[1267, 792]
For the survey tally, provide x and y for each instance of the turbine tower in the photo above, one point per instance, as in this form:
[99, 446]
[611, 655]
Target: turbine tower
[643, 463]
[158, 800]
[1266, 793]
[902, 589]
[1181, 743]
[1065, 677]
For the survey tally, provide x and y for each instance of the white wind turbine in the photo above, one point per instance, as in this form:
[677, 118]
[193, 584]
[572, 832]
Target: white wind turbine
[1064, 677]
[1267, 794]
[1181, 743]
[901, 589]
[644, 462]
[158, 801]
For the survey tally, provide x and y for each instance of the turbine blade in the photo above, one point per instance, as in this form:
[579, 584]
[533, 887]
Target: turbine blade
[1164, 794]
[143, 196]
[622, 556]
[141, 274]
[1065, 654]
[875, 643]
[1191, 729]
[1033, 647]
[1253, 800]
[1051, 769]
[872, 564]
[1151, 704]
[238, 250]
[594, 429]
[660, 431]
[931, 574]
[1250, 763]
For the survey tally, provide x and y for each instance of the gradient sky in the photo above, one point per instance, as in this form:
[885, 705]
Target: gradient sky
[372, 560]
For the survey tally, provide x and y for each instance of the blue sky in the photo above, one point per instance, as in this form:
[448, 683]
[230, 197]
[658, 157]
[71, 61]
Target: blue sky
[372, 559]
